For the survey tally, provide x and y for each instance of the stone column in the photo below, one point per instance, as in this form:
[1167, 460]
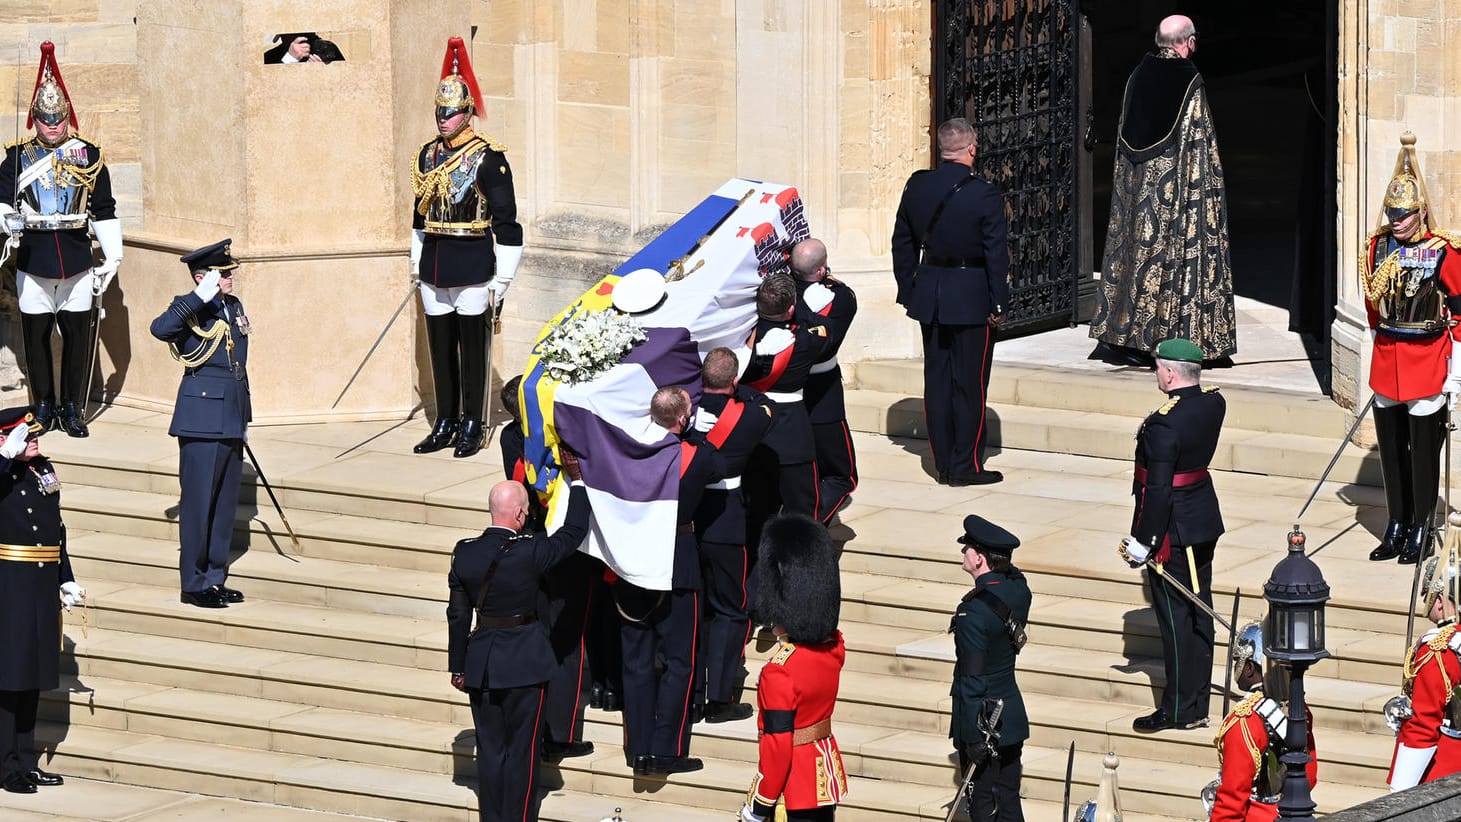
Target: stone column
[305, 167]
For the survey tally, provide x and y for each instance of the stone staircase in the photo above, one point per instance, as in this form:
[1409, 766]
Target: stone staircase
[327, 689]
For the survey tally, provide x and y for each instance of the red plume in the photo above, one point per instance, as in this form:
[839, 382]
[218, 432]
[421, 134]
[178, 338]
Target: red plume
[48, 58]
[456, 50]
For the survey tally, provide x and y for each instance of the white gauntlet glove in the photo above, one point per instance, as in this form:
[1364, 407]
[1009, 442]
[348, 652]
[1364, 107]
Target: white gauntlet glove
[71, 594]
[418, 238]
[14, 442]
[508, 258]
[1135, 553]
[109, 237]
[208, 288]
[749, 815]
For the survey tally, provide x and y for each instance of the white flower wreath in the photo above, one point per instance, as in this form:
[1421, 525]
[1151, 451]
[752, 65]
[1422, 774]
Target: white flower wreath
[588, 344]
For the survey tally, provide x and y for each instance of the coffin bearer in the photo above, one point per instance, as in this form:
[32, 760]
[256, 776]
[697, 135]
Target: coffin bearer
[33, 568]
[1252, 737]
[464, 198]
[829, 302]
[1412, 279]
[952, 262]
[989, 724]
[208, 332]
[503, 659]
[52, 186]
[1177, 523]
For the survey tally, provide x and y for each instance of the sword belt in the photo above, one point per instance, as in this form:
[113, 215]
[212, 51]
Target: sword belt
[815, 732]
[513, 621]
[30, 553]
[1180, 479]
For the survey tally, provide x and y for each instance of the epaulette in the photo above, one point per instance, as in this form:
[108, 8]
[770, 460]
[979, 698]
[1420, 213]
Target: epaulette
[1442, 639]
[1447, 237]
[782, 655]
[491, 143]
[13, 143]
[1249, 704]
[1170, 404]
[1208, 389]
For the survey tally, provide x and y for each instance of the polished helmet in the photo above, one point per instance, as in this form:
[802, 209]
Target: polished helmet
[456, 92]
[50, 103]
[1405, 193]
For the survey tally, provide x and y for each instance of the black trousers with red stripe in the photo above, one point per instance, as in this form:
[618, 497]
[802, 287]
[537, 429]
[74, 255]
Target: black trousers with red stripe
[570, 588]
[836, 466]
[508, 721]
[657, 625]
[956, 361]
[726, 624]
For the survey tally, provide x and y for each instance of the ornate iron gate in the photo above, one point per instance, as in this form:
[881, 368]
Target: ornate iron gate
[1010, 67]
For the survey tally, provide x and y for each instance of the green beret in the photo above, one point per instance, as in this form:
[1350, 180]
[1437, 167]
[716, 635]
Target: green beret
[1179, 350]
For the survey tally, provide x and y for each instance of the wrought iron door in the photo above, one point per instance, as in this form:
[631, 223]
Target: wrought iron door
[1010, 67]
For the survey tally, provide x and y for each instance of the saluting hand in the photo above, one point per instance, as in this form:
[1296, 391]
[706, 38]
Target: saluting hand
[15, 442]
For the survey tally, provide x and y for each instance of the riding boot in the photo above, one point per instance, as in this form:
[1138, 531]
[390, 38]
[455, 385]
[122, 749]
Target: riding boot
[1426, 436]
[473, 329]
[1392, 429]
[75, 361]
[37, 329]
[441, 341]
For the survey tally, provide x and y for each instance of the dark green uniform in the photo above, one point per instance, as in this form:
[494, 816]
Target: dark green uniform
[985, 669]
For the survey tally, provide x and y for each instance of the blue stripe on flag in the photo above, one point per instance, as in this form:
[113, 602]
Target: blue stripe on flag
[535, 448]
[678, 238]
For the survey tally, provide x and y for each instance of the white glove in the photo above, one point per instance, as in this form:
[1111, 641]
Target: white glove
[749, 815]
[508, 258]
[418, 238]
[1409, 767]
[109, 237]
[71, 594]
[102, 276]
[1135, 553]
[14, 442]
[208, 288]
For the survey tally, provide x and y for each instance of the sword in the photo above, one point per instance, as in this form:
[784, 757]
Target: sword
[1069, 771]
[94, 343]
[410, 290]
[267, 487]
[1151, 563]
[1322, 477]
[1228, 674]
[974, 764]
[5, 249]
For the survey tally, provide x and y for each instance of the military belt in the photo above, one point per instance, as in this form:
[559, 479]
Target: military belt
[513, 621]
[1181, 479]
[55, 222]
[785, 397]
[30, 553]
[815, 732]
[823, 367]
[953, 262]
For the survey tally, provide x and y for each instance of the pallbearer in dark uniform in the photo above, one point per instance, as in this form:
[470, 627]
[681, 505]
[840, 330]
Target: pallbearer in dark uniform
[208, 333]
[52, 186]
[504, 660]
[952, 265]
[464, 198]
[829, 302]
[989, 725]
[1177, 524]
[33, 568]
[799, 595]
[1411, 275]
[734, 419]
[783, 352]
[661, 625]
[1253, 737]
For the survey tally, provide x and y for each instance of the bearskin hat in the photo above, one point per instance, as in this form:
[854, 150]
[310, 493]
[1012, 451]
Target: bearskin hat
[797, 582]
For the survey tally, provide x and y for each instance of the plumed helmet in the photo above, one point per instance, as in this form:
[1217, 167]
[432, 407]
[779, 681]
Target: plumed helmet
[1406, 189]
[1443, 571]
[1248, 645]
[797, 580]
[50, 104]
[456, 92]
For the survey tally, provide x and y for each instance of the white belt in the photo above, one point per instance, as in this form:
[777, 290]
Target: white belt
[727, 484]
[785, 396]
[55, 222]
[824, 366]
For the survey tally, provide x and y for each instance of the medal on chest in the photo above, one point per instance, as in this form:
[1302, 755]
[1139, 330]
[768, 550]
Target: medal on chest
[46, 479]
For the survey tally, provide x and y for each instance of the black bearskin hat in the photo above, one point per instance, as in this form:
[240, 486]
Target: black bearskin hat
[797, 582]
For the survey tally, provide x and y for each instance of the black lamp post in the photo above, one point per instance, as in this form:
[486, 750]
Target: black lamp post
[1293, 634]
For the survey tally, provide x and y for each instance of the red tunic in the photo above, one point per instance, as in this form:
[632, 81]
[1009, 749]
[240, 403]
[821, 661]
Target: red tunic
[1242, 743]
[1437, 671]
[797, 689]
[1413, 369]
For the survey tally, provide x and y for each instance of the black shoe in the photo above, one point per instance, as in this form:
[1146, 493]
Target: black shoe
[1390, 545]
[42, 779]
[1417, 545]
[610, 700]
[69, 419]
[554, 751]
[716, 712]
[674, 764]
[207, 598]
[442, 435]
[643, 765]
[18, 783]
[1157, 720]
[229, 594]
[470, 442]
[45, 415]
[977, 478]
[697, 713]
[943, 478]
[596, 696]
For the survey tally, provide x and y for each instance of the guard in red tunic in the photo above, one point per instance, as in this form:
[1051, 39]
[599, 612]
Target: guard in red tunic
[1412, 280]
[799, 596]
[1428, 745]
[1252, 738]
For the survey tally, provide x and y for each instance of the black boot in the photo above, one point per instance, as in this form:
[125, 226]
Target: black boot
[69, 419]
[1389, 548]
[39, 373]
[46, 414]
[470, 441]
[76, 348]
[1427, 434]
[1417, 545]
[442, 435]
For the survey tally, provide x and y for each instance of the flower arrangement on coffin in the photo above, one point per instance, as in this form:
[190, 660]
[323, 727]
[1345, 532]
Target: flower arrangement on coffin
[587, 344]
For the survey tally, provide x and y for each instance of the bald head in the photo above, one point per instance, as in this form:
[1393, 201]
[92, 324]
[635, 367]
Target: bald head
[809, 260]
[508, 504]
[1178, 34]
